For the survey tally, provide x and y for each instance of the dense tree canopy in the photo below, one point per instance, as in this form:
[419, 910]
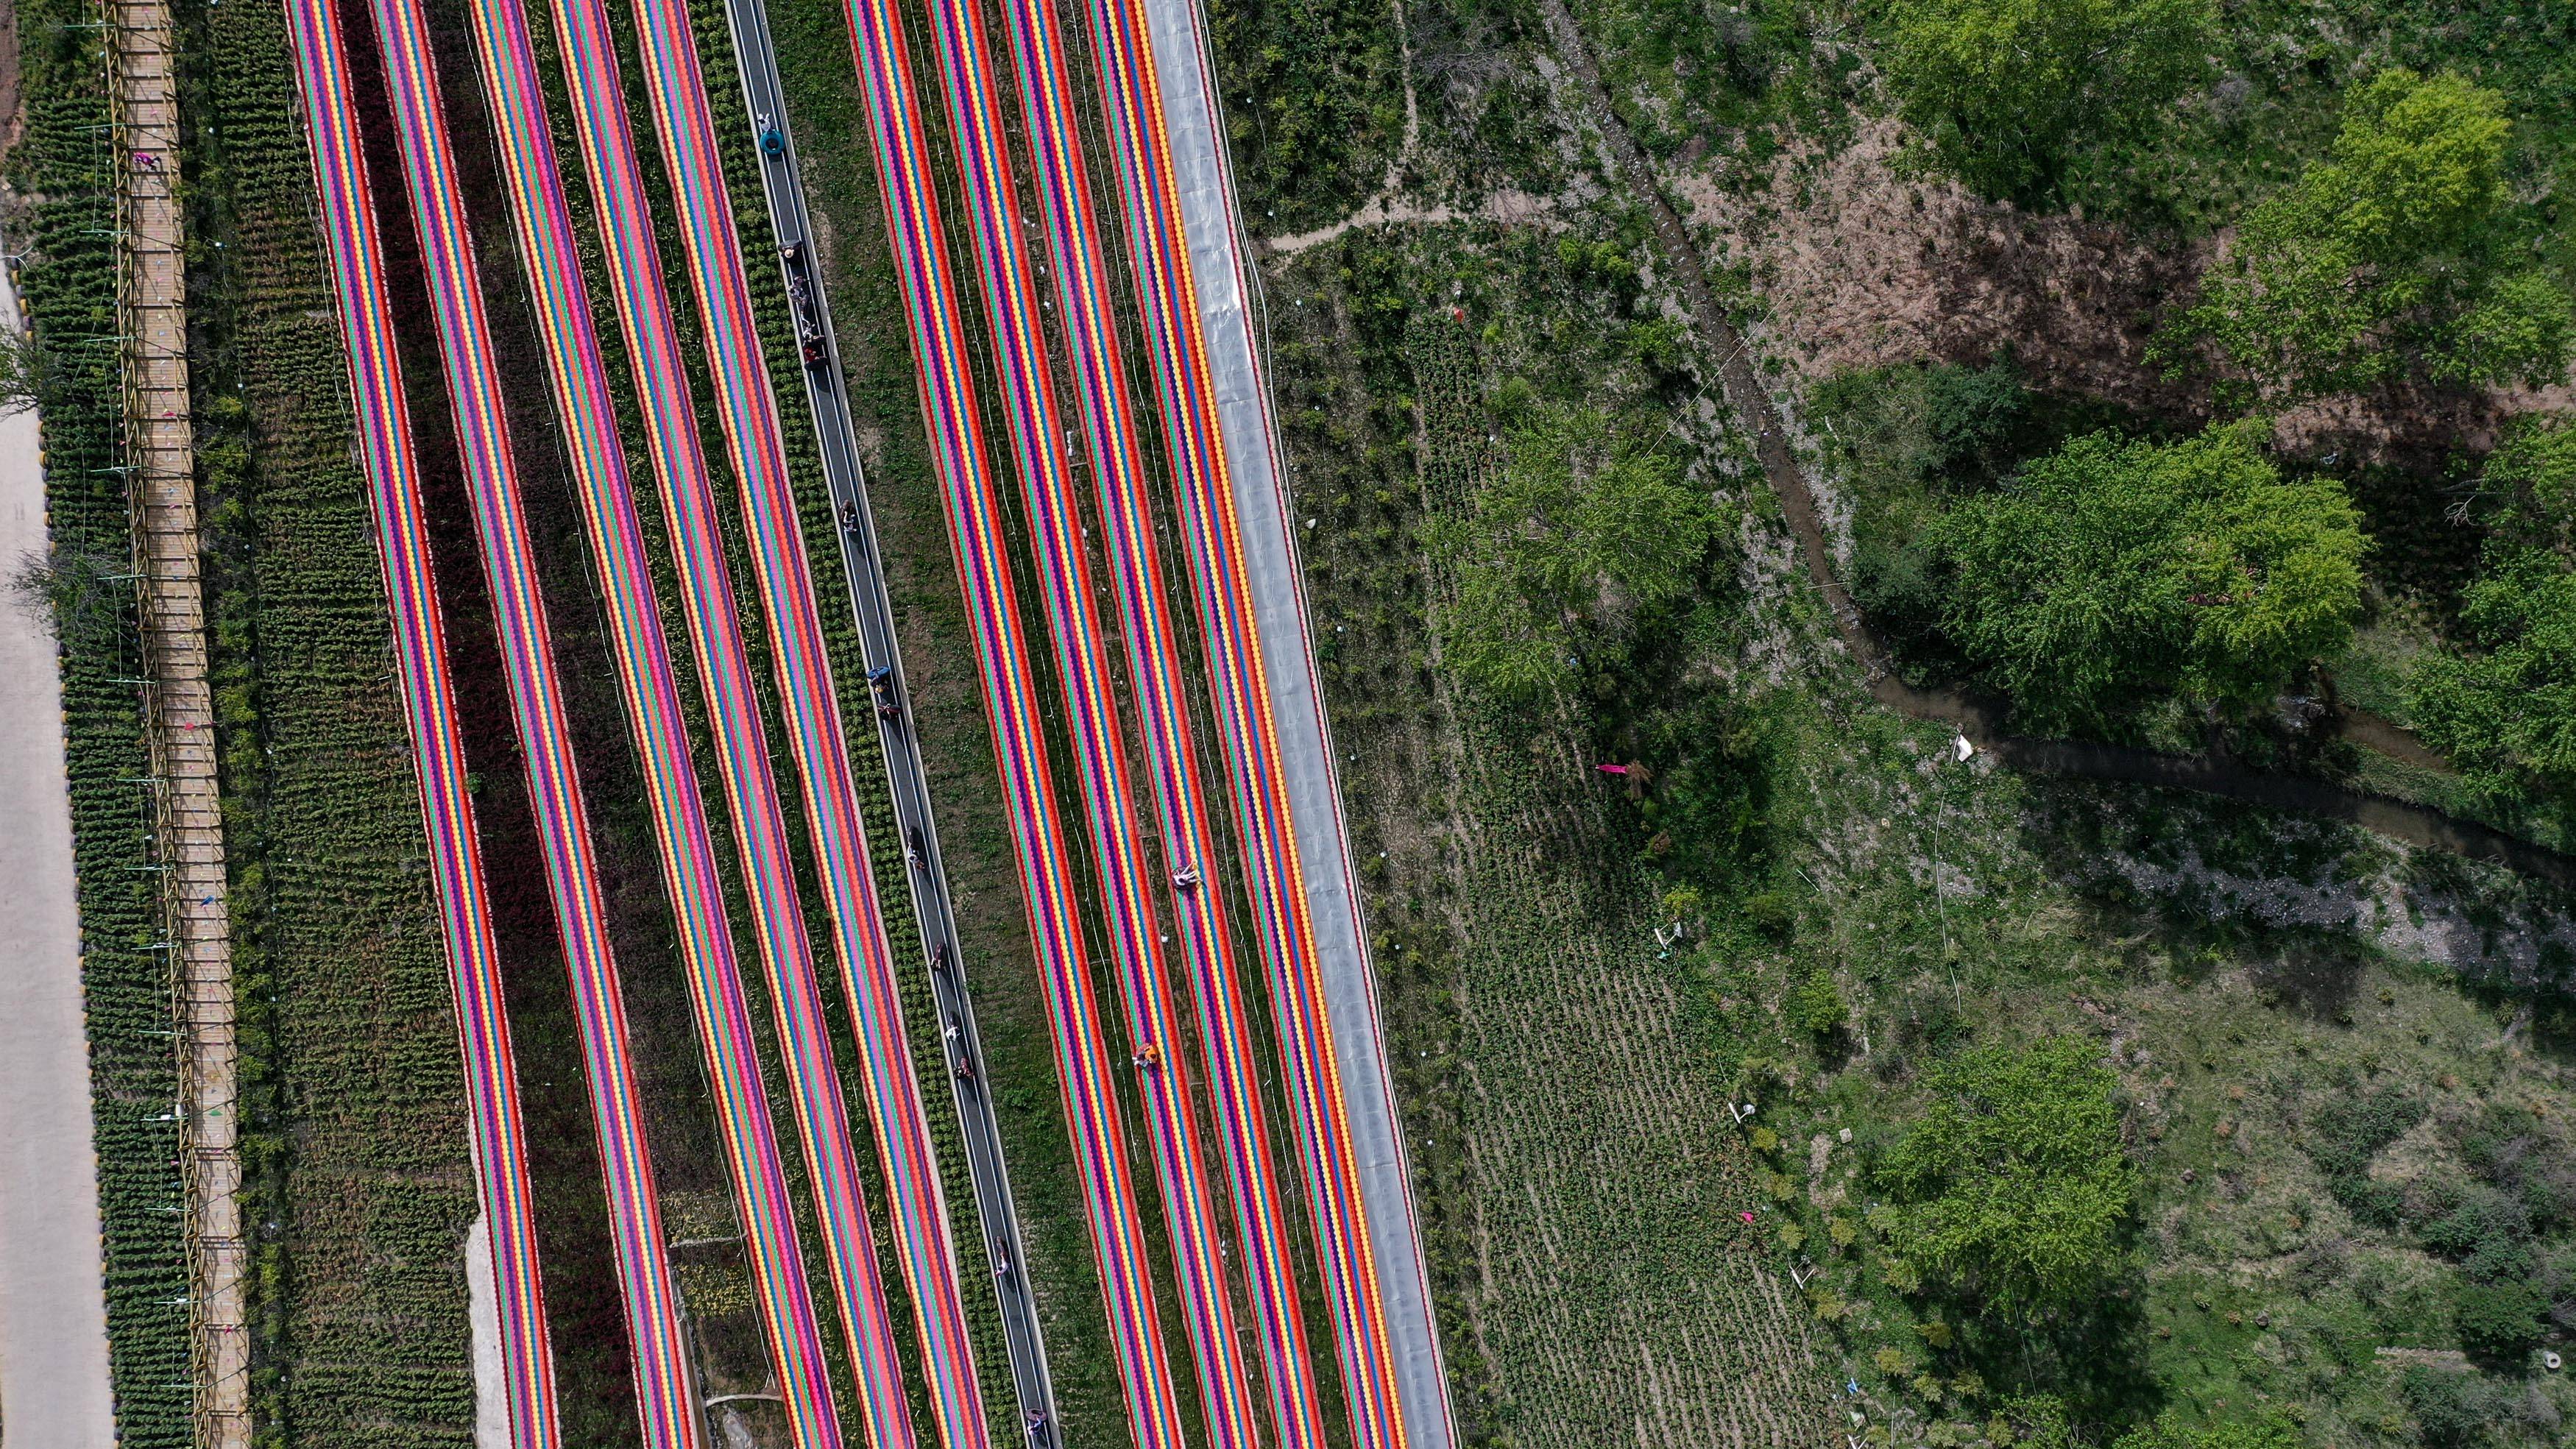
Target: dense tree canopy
[2013, 1185]
[2115, 570]
[2003, 88]
[2386, 260]
[2502, 704]
[2527, 490]
[1584, 525]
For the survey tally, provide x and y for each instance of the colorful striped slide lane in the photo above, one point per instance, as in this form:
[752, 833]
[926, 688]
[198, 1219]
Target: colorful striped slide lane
[1038, 445]
[1131, 98]
[972, 505]
[724, 672]
[554, 787]
[748, 408]
[578, 381]
[383, 421]
[1154, 661]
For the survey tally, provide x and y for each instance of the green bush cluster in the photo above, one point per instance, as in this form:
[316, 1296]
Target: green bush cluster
[2348, 1133]
[1586, 526]
[2499, 1223]
[61, 164]
[1314, 104]
[2014, 1186]
[1679, 71]
[1815, 1006]
[2004, 90]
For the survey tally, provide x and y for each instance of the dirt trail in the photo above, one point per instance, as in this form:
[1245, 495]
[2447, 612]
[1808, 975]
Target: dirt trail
[1980, 720]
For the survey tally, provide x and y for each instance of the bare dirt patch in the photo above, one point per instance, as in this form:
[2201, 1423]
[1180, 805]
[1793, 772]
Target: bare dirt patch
[1865, 265]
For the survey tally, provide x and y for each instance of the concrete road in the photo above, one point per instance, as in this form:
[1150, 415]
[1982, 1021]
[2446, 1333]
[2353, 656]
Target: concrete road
[483, 1305]
[53, 1307]
[1217, 247]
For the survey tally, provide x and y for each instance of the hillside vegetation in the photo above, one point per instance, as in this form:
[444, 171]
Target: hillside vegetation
[1812, 1070]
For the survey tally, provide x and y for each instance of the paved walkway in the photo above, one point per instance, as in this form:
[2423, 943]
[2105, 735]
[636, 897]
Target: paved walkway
[1217, 252]
[159, 446]
[53, 1314]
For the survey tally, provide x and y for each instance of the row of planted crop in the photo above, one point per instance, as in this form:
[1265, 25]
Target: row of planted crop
[349, 1043]
[69, 283]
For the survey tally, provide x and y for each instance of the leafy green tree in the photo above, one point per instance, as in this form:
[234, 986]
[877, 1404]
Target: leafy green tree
[1814, 1006]
[29, 375]
[2014, 1186]
[1586, 526]
[2387, 260]
[2115, 569]
[2501, 703]
[2527, 489]
[2004, 89]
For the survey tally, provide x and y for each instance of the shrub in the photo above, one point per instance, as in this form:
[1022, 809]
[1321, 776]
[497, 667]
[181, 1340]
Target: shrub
[1770, 913]
[2351, 1130]
[2452, 1409]
[1705, 810]
[1815, 1007]
[2487, 1232]
[2500, 1323]
[2014, 1185]
[2035, 1421]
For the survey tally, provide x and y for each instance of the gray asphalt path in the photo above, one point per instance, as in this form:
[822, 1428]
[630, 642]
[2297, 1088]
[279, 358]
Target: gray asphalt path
[1217, 256]
[53, 1307]
[873, 611]
[483, 1307]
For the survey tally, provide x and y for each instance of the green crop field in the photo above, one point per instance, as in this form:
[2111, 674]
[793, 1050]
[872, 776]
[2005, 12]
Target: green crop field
[69, 281]
[1579, 1185]
[357, 1145]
